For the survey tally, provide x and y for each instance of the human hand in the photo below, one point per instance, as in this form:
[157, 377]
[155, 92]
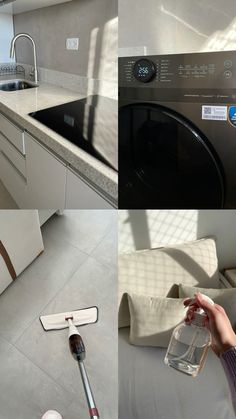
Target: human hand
[222, 334]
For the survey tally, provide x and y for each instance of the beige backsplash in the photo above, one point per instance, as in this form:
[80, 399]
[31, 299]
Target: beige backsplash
[93, 22]
[82, 85]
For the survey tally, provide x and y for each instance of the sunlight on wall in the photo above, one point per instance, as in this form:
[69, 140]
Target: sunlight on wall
[91, 81]
[175, 27]
[105, 127]
[156, 228]
[105, 57]
[108, 66]
[126, 240]
[182, 21]
[222, 40]
[92, 58]
[169, 226]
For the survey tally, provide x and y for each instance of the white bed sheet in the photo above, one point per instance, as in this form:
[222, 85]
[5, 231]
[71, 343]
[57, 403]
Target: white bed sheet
[148, 389]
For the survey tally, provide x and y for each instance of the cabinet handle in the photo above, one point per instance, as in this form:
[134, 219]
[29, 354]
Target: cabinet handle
[7, 260]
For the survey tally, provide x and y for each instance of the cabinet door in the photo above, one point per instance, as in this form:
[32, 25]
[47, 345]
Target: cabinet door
[16, 158]
[14, 134]
[21, 242]
[81, 196]
[46, 177]
[13, 180]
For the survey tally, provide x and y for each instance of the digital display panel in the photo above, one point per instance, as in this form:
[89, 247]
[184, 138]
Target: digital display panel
[144, 70]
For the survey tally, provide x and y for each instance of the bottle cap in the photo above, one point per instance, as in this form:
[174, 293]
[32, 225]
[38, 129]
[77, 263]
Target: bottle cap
[209, 300]
[199, 314]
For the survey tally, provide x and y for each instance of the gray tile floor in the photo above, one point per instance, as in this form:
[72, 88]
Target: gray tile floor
[77, 269]
[6, 201]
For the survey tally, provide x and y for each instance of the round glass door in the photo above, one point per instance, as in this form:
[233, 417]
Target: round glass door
[165, 162]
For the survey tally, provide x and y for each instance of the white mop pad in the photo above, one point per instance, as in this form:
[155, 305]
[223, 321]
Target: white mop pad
[79, 317]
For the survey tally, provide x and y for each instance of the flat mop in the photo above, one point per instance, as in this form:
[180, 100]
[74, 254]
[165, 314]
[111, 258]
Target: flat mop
[71, 320]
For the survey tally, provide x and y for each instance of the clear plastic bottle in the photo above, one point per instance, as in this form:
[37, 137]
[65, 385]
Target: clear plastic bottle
[189, 344]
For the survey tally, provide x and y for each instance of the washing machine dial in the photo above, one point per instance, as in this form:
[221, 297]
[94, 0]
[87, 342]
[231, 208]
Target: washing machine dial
[144, 70]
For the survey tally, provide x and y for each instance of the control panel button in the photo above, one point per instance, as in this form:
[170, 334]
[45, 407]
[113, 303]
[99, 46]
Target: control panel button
[144, 70]
[228, 74]
[228, 63]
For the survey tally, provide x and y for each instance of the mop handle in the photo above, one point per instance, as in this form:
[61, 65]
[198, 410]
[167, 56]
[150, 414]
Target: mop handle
[89, 395]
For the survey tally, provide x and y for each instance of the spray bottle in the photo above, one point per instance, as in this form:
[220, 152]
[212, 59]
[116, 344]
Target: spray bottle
[189, 344]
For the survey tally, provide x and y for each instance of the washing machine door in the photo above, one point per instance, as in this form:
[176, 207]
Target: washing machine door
[165, 162]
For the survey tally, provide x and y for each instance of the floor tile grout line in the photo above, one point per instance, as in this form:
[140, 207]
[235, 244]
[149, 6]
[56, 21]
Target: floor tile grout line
[6, 340]
[83, 251]
[91, 254]
[72, 245]
[50, 301]
[107, 231]
[64, 241]
[39, 368]
[72, 397]
[14, 344]
[59, 290]
[105, 235]
[106, 265]
[44, 372]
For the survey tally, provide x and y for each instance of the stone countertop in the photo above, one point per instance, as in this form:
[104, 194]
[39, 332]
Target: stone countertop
[17, 105]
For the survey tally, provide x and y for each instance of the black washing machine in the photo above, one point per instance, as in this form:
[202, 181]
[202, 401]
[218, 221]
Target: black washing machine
[177, 131]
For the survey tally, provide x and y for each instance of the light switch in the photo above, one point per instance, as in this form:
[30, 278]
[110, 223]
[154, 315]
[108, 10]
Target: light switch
[72, 44]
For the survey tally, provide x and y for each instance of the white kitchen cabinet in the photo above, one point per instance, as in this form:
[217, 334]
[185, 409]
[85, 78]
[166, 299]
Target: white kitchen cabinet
[36, 178]
[13, 133]
[82, 196]
[45, 214]
[46, 177]
[20, 243]
[16, 158]
[12, 160]
[13, 180]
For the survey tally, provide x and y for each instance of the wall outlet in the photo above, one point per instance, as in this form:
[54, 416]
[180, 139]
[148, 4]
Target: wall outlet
[72, 44]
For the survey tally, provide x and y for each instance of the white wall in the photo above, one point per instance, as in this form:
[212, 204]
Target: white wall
[156, 228]
[176, 26]
[6, 35]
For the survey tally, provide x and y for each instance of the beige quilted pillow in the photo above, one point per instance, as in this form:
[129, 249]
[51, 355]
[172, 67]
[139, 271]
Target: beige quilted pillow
[155, 272]
[153, 319]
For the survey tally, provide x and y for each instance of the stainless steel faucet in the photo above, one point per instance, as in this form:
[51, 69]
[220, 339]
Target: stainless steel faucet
[25, 35]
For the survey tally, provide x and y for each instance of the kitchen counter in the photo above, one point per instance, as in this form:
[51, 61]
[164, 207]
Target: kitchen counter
[17, 105]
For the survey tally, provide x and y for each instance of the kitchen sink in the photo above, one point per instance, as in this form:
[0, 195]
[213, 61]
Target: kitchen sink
[12, 85]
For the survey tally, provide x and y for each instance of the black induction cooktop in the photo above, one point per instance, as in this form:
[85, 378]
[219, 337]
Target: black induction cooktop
[90, 123]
